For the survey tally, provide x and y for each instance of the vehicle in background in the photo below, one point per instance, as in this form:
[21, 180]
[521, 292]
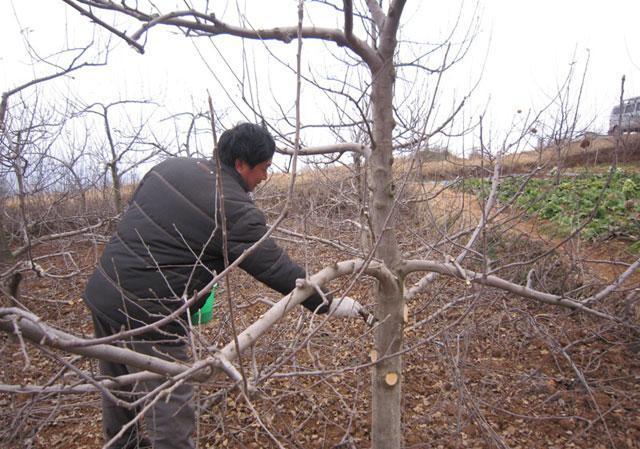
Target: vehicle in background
[627, 119]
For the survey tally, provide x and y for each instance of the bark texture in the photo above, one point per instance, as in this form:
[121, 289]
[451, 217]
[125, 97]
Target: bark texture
[387, 396]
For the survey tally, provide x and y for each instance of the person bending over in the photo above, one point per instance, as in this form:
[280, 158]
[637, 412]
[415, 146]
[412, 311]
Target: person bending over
[167, 246]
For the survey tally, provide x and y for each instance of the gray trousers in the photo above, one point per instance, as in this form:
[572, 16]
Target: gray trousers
[169, 422]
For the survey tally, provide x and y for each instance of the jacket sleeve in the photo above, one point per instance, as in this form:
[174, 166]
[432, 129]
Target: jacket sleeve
[268, 263]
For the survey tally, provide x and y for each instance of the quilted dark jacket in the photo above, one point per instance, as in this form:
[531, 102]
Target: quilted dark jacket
[168, 244]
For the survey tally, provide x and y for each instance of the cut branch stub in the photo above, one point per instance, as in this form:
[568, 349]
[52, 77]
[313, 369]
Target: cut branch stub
[391, 379]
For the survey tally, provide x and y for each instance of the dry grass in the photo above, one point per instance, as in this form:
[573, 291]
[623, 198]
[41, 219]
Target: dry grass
[590, 152]
[587, 152]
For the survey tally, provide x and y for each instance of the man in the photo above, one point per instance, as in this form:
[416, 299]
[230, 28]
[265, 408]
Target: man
[167, 246]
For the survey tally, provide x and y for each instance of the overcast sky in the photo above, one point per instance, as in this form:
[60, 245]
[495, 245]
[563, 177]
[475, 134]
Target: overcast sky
[522, 53]
[533, 43]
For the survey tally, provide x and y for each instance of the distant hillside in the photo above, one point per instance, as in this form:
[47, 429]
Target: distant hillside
[589, 151]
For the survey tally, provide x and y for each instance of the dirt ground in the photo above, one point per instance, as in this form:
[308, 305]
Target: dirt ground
[510, 374]
[482, 368]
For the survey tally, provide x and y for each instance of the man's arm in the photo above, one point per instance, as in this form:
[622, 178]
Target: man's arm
[268, 263]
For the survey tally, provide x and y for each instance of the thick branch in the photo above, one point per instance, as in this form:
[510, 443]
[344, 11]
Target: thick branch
[212, 26]
[617, 283]
[452, 270]
[299, 294]
[365, 150]
[37, 331]
[376, 13]
[388, 34]
[31, 327]
[348, 19]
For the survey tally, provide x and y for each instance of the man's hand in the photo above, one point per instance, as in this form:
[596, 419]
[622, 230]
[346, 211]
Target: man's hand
[345, 307]
[350, 308]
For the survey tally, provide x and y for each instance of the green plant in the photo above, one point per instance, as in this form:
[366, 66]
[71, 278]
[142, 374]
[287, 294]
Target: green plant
[604, 210]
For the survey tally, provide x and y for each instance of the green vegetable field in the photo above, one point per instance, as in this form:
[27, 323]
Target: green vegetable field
[606, 205]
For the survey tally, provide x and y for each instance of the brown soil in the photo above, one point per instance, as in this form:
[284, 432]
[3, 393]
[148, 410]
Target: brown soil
[499, 378]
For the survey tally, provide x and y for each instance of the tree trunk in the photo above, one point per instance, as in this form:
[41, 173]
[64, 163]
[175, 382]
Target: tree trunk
[4, 100]
[117, 188]
[387, 374]
[558, 162]
[113, 166]
[6, 258]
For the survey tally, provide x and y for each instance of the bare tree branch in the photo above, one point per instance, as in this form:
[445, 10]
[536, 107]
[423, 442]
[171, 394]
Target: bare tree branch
[469, 276]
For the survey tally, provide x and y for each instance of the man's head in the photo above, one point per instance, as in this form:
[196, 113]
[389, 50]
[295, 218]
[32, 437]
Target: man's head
[248, 148]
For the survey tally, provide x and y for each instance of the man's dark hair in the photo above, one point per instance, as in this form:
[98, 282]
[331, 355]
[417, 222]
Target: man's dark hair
[248, 142]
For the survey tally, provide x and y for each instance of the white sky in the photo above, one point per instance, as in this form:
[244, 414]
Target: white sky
[534, 42]
[528, 47]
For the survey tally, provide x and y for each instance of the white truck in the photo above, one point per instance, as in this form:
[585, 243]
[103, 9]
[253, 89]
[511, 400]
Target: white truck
[625, 118]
